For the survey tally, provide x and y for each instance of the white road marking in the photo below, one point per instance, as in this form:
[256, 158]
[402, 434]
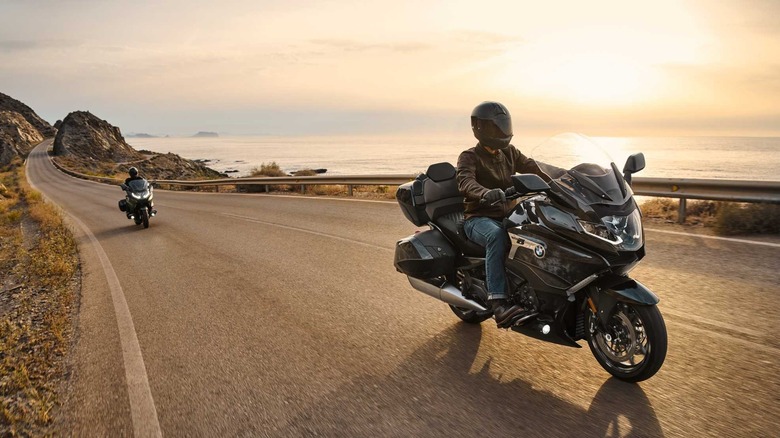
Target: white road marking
[303, 230]
[142, 408]
[266, 195]
[727, 337]
[722, 325]
[728, 239]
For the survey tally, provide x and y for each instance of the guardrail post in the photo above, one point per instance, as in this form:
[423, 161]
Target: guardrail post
[349, 189]
[681, 211]
[266, 188]
[303, 189]
[216, 189]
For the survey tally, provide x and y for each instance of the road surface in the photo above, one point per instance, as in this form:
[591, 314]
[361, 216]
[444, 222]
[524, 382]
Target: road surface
[268, 315]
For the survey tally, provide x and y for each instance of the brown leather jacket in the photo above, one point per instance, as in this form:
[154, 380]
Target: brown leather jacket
[480, 171]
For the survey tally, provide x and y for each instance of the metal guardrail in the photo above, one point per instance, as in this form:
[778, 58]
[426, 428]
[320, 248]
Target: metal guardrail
[680, 188]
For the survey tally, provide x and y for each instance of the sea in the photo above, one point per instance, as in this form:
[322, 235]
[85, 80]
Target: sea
[740, 158]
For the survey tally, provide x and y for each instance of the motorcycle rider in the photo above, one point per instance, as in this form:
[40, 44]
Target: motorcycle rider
[483, 173]
[134, 177]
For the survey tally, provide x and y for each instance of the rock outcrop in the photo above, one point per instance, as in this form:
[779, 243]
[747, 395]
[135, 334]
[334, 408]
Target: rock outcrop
[173, 167]
[8, 103]
[17, 136]
[88, 144]
[88, 137]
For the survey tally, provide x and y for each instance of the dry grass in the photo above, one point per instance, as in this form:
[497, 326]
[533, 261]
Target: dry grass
[736, 218]
[270, 169]
[725, 218]
[39, 263]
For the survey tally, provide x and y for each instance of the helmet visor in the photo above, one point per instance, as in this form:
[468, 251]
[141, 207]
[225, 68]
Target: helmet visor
[499, 127]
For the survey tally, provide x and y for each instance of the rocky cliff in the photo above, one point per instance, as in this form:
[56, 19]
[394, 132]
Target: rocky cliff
[86, 136]
[8, 103]
[88, 144]
[173, 167]
[17, 136]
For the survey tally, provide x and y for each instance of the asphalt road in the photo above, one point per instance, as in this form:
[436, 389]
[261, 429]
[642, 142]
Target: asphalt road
[267, 315]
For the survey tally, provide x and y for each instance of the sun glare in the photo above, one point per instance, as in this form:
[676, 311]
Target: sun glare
[597, 80]
[590, 79]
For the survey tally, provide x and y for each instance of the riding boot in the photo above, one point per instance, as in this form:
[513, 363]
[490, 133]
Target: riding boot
[504, 312]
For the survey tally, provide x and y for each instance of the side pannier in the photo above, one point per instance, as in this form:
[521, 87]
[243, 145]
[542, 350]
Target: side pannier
[425, 255]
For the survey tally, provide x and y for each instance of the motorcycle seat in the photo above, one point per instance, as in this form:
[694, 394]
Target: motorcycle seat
[452, 226]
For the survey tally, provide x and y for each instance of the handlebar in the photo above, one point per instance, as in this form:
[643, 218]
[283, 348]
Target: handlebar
[510, 194]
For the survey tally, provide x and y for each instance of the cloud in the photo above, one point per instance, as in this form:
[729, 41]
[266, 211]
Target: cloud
[30, 45]
[486, 38]
[359, 46]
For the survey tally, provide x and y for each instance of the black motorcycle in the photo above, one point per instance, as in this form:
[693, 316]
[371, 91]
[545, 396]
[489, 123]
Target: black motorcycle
[138, 202]
[574, 241]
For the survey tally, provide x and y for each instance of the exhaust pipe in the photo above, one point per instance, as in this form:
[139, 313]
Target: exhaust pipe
[446, 292]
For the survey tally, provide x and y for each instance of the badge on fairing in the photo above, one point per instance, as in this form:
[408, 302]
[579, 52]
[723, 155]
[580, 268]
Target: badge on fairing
[539, 251]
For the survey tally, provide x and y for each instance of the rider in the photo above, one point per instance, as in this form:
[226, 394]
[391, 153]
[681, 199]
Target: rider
[134, 177]
[484, 171]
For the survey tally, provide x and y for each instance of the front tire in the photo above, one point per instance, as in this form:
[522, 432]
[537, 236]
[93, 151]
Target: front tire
[145, 217]
[633, 345]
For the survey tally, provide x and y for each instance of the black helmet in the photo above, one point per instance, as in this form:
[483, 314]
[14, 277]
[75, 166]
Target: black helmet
[133, 172]
[492, 125]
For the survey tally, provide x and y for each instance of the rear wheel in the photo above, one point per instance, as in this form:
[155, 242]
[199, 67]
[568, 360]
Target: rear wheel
[632, 347]
[145, 217]
[470, 316]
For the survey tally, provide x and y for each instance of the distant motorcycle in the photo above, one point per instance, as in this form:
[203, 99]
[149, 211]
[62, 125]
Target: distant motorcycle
[138, 201]
[573, 243]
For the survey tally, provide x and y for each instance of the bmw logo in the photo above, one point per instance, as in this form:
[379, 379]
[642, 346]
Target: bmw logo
[539, 251]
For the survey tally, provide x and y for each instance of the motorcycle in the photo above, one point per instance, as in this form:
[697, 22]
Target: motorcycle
[574, 241]
[138, 203]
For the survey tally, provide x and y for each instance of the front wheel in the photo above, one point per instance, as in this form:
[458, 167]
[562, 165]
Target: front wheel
[632, 347]
[145, 217]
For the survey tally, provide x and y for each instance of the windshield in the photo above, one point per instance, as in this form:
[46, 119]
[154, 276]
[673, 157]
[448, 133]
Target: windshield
[138, 185]
[568, 150]
[581, 168]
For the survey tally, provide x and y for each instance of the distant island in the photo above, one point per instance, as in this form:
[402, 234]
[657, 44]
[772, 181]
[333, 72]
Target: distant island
[206, 134]
[141, 135]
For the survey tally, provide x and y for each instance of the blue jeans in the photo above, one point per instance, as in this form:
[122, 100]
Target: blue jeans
[489, 233]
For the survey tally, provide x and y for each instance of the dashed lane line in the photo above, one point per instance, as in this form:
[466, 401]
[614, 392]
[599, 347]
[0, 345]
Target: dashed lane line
[304, 230]
[727, 239]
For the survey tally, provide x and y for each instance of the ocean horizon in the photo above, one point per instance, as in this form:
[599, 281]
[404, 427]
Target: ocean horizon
[741, 158]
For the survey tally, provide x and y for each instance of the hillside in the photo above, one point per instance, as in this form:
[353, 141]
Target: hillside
[88, 144]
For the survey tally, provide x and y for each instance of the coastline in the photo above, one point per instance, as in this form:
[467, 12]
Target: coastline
[739, 158]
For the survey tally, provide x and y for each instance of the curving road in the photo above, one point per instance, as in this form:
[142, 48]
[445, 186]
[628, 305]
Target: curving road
[268, 315]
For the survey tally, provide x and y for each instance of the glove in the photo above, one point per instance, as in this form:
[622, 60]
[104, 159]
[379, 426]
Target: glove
[494, 195]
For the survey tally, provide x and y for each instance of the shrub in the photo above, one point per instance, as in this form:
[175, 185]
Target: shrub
[660, 208]
[734, 218]
[270, 169]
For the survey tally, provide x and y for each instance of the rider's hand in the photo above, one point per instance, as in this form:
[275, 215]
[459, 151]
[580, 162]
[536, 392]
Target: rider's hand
[494, 195]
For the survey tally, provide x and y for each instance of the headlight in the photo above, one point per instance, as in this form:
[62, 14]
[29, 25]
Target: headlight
[142, 195]
[625, 232]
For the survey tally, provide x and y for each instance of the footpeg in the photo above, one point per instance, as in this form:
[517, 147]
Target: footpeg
[522, 319]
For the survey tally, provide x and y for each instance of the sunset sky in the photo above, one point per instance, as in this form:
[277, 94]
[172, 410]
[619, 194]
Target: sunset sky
[301, 67]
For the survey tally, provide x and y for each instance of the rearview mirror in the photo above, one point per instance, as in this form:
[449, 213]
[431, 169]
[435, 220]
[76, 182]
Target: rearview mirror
[529, 183]
[634, 164]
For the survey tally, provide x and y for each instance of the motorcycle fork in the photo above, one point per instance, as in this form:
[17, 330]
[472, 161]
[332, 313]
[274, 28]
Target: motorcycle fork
[603, 307]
